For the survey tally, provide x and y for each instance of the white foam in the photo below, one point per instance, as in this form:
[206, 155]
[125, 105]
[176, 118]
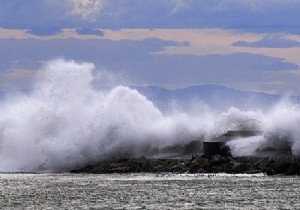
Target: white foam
[64, 122]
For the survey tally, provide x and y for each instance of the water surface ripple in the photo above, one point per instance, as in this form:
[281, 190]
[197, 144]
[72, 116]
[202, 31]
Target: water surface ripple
[148, 191]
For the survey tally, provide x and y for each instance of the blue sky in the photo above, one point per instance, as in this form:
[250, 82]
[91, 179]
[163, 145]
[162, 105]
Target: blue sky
[244, 44]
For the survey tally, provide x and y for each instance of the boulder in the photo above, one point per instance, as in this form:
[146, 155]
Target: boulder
[197, 163]
[240, 168]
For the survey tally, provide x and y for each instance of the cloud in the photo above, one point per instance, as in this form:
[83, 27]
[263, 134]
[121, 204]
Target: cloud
[89, 31]
[180, 6]
[248, 15]
[77, 29]
[45, 31]
[269, 42]
[189, 41]
[137, 60]
[87, 9]
[251, 5]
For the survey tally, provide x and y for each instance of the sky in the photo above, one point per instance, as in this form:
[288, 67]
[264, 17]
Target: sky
[251, 45]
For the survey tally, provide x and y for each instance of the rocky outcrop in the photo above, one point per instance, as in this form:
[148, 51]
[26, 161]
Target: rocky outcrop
[197, 164]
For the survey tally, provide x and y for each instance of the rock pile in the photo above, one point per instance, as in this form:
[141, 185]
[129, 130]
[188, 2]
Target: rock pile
[197, 164]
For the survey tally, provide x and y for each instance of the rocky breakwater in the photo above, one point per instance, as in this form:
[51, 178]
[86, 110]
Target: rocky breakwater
[197, 164]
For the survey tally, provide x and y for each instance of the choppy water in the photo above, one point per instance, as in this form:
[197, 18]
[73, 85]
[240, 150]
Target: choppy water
[148, 191]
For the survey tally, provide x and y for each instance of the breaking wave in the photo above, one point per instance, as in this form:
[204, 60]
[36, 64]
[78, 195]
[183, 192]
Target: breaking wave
[64, 123]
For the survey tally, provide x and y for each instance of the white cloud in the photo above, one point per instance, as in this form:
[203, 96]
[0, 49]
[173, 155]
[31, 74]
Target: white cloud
[252, 5]
[179, 6]
[207, 41]
[87, 9]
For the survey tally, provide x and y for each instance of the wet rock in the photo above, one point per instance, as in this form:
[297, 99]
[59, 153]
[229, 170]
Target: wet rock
[197, 163]
[294, 169]
[201, 171]
[179, 168]
[159, 168]
[253, 172]
[216, 169]
[240, 168]
[261, 165]
[282, 168]
[227, 167]
[123, 169]
[201, 162]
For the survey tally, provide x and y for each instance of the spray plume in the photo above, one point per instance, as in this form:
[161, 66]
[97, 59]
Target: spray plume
[65, 123]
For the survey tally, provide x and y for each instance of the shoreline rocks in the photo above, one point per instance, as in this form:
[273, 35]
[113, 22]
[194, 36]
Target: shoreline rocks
[197, 164]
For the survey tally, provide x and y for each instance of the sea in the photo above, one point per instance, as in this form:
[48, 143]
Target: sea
[148, 191]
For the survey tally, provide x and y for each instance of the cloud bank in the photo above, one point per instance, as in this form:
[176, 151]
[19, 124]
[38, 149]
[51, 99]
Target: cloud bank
[87, 9]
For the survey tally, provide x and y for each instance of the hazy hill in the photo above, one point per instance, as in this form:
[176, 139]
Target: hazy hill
[215, 96]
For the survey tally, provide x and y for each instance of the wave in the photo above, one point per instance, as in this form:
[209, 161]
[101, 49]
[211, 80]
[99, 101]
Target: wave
[64, 123]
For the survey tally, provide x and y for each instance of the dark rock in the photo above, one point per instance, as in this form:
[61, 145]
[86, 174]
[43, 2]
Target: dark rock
[227, 167]
[143, 159]
[123, 169]
[253, 172]
[262, 166]
[241, 168]
[159, 168]
[282, 168]
[216, 169]
[180, 168]
[201, 171]
[293, 170]
[197, 164]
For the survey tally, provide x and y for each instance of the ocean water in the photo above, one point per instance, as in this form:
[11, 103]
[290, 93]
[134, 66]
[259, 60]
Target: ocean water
[148, 191]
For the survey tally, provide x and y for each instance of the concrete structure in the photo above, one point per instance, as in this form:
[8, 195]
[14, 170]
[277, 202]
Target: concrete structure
[218, 145]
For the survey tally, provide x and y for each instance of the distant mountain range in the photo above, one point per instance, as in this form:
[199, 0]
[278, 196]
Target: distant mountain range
[214, 96]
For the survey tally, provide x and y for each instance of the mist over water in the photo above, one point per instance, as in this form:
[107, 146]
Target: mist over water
[64, 123]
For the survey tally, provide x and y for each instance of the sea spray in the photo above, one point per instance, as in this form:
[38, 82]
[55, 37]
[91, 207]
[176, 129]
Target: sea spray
[65, 123]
